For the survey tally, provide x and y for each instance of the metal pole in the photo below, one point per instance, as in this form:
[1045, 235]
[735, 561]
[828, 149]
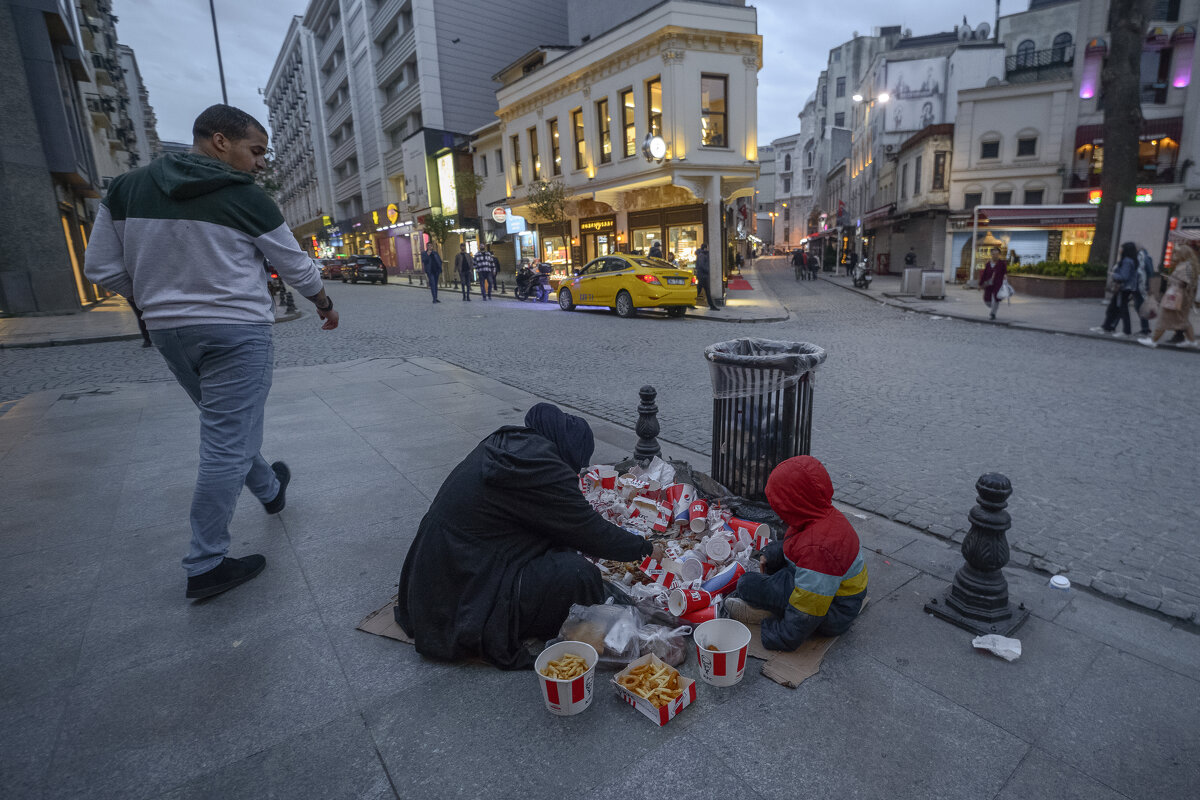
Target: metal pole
[217, 39]
[974, 241]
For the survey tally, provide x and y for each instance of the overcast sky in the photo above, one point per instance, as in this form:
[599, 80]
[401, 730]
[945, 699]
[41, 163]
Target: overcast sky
[174, 46]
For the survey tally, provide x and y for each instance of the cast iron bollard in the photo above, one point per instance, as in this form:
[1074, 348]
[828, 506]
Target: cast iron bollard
[647, 427]
[978, 598]
[291, 303]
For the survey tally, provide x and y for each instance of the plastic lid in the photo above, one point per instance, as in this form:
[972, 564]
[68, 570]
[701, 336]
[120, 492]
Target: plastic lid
[1060, 582]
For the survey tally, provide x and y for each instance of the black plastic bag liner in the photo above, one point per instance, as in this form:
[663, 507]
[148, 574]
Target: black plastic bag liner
[751, 366]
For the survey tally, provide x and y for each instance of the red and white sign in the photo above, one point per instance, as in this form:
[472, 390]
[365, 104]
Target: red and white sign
[499, 215]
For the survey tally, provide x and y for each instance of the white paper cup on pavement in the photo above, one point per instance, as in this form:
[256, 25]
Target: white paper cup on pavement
[718, 549]
[691, 566]
[566, 698]
[724, 665]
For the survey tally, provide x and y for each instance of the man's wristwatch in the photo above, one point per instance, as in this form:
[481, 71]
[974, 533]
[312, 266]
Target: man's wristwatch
[328, 305]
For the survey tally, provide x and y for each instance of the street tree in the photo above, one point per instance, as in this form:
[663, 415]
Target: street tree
[467, 185]
[438, 226]
[548, 200]
[1121, 88]
[268, 179]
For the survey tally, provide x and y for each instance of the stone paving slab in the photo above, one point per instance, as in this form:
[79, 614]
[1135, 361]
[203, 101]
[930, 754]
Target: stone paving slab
[115, 686]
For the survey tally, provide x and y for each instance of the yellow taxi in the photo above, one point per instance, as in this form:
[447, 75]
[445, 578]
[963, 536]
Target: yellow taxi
[626, 283]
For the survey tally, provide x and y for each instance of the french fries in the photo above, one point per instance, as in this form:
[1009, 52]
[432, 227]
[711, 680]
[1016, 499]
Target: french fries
[658, 684]
[566, 667]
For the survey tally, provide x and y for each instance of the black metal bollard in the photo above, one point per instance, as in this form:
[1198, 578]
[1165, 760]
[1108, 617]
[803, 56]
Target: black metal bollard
[291, 302]
[977, 599]
[410, 279]
[647, 427]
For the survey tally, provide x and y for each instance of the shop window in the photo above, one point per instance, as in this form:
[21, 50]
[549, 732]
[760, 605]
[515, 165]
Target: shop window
[1156, 160]
[604, 129]
[713, 110]
[972, 199]
[1027, 146]
[534, 156]
[516, 159]
[839, 119]
[916, 176]
[989, 149]
[840, 88]
[1156, 68]
[555, 148]
[1034, 197]
[628, 122]
[580, 145]
[654, 107]
[939, 172]
[1003, 198]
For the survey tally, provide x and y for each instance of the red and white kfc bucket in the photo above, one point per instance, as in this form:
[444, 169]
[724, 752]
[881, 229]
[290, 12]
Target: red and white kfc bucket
[567, 697]
[721, 646]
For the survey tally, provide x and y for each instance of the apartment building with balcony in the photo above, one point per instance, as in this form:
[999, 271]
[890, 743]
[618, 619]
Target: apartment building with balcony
[650, 125]
[69, 124]
[301, 156]
[400, 85]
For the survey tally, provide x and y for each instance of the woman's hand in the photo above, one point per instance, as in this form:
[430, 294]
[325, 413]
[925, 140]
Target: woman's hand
[658, 553]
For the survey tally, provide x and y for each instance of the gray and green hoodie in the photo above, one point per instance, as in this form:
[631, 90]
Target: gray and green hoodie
[185, 238]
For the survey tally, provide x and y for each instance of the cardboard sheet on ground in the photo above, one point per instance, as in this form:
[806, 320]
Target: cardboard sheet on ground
[383, 623]
[792, 669]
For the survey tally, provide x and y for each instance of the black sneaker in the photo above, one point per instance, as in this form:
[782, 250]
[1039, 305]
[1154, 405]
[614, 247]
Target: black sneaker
[284, 474]
[226, 575]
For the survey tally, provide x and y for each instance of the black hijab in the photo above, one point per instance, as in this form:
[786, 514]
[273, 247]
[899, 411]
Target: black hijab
[571, 435]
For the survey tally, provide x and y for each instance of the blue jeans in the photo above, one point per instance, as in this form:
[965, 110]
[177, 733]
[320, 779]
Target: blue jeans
[226, 370]
[433, 282]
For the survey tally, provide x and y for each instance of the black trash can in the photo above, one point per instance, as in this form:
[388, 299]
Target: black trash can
[762, 408]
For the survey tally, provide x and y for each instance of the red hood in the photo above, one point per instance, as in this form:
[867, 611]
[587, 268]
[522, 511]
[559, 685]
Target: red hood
[800, 491]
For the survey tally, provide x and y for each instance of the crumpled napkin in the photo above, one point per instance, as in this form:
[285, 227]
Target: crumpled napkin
[1003, 646]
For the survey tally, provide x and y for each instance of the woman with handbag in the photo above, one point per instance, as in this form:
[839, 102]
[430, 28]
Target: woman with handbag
[1179, 298]
[992, 280]
[1124, 280]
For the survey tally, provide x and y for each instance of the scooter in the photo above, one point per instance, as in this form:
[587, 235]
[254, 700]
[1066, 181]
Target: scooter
[532, 282]
[862, 275]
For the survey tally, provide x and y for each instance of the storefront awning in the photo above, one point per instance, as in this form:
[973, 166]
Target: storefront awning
[1038, 216]
[1171, 127]
[878, 214]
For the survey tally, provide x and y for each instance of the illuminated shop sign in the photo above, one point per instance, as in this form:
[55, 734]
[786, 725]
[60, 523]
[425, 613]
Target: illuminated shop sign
[1145, 194]
[445, 170]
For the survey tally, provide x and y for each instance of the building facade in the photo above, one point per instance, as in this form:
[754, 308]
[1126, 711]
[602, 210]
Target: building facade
[764, 197]
[651, 128]
[72, 125]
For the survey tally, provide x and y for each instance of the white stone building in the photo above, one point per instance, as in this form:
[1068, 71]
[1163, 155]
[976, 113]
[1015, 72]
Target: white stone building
[680, 71]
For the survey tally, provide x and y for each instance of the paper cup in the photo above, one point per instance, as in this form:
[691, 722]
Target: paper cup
[652, 489]
[760, 534]
[701, 616]
[718, 548]
[691, 566]
[698, 516]
[608, 479]
[725, 665]
[567, 698]
[724, 581]
[685, 601]
[679, 497]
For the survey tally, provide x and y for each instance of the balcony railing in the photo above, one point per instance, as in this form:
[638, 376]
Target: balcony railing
[339, 116]
[1154, 175]
[386, 13]
[347, 187]
[394, 110]
[1036, 63]
[342, 152]
[393, 61]
[331, 82]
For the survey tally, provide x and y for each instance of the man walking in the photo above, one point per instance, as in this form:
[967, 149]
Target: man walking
[799, 264]
[486, 265]
[431, 262]
[702, 276]
[464, 266]
[184, 238]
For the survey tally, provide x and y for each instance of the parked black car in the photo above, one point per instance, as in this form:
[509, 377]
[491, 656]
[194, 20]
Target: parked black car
[364, 268]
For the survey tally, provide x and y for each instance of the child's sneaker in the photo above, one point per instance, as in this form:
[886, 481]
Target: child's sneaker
[738, 609]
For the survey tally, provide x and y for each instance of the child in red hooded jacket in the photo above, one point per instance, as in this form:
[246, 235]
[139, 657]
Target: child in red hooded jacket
[815, 580]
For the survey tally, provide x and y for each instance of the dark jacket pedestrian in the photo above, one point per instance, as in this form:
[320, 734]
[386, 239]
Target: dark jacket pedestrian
[992, 279]
[496, 559]
[431, 262]
[1124, 279]
[656, 250]
[815, 580]
[703, 275]
[465, 267]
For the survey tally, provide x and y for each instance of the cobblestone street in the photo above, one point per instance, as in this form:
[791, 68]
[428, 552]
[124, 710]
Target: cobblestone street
[1098, 439]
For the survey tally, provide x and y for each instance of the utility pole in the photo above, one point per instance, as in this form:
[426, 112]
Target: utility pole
[220, 67]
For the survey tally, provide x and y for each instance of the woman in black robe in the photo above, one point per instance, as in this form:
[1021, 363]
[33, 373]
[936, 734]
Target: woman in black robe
[496, 559]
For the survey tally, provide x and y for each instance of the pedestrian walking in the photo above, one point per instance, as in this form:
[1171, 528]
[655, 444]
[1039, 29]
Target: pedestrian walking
[656, 250]
[799, 265]
[184, 238]
[994, 273]
[1180, 296]
[702, 276]
[431, 262]
[910, 258]
[1123, 281]
[464, 265]
[1145, 280]
[813, 265]
[486, 265]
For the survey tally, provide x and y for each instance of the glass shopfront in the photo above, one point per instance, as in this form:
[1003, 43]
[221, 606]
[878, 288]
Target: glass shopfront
[555, 245]
[681, 230]
[599, 236]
